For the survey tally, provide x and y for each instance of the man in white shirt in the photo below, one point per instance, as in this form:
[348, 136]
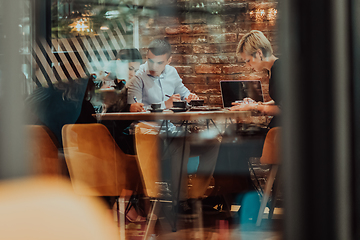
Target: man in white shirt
[157, 82]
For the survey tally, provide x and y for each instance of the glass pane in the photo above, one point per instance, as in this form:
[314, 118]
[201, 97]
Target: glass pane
[151, 119]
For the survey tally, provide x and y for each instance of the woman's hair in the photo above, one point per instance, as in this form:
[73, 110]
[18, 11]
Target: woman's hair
[72, 90]
[130, 54]
[253, 41]
[90, 88]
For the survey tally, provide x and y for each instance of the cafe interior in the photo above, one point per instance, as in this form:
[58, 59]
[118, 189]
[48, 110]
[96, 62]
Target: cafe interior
[87, 153]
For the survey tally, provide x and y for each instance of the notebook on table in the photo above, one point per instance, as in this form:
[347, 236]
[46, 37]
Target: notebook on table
[237, 90]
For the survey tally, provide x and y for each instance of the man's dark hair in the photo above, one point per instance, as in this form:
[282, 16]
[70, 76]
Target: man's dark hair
[130, 54]
[160, 47]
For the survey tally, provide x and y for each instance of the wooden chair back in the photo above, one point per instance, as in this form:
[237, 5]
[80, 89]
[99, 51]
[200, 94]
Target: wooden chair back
[95, 161]
[271, 149]
[43, 151]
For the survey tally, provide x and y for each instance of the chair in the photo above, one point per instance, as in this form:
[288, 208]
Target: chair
[148, 157]
[97, 166]
[43, 151]
[270, 155]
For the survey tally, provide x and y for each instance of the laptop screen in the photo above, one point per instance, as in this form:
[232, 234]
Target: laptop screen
[236, 90]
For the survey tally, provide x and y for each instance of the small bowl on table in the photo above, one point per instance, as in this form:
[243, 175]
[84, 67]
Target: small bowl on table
[179, 104]
[156, 106]
[197, 102]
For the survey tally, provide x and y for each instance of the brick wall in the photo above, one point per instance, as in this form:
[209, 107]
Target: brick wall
[204, 36]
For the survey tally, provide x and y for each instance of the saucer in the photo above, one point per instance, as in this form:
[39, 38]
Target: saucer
[178, 109]
[156, 110]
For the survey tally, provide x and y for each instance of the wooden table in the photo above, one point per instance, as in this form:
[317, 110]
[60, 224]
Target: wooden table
[169, 115]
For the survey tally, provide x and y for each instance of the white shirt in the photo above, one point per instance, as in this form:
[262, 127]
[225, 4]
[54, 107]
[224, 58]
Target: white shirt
[149, 89]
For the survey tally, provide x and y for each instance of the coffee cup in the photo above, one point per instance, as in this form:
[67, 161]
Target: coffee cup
[155, 106]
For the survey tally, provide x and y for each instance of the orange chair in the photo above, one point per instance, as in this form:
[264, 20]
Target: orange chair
[97, 166]
[270, 155]
[43, 151]
[148, 157]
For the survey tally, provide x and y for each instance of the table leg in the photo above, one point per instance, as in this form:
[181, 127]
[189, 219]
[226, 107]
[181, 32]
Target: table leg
[176, 204]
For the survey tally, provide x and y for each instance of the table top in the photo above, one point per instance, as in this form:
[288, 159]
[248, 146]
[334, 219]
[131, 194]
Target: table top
[169, 115]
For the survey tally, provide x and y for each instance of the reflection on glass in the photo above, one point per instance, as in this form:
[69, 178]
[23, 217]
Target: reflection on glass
[85, 42]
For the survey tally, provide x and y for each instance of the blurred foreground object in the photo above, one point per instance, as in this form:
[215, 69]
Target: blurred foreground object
[47, 208]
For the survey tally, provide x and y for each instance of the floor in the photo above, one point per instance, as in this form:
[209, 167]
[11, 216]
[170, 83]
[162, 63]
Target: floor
[214, 225]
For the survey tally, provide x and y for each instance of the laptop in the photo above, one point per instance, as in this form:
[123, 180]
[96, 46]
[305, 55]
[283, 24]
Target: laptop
[237, 90]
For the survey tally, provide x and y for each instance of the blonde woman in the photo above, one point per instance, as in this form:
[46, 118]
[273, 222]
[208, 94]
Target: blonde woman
[256, 51]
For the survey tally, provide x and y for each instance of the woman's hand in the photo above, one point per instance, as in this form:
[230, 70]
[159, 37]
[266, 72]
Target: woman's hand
[244, 106]
[137, 107]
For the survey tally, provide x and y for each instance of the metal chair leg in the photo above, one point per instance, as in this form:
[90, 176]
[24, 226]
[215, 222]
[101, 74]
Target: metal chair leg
[275, 192]
[120, 208]
[266, 194]
[199, 224]
[152, 219]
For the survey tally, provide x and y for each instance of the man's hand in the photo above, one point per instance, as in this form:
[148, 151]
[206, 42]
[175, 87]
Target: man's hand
[192, 96]
[169, 102]
[137, 107]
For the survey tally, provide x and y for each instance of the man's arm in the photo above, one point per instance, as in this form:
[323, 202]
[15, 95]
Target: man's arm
[179, 86]
[134, 98]
[135, 87]
[184, 91]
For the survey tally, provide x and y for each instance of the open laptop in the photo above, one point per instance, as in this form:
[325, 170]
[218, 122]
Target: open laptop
[237, 90]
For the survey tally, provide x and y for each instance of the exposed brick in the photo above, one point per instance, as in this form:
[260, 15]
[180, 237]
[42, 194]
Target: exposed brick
[193, 18]
[254, 76]
[200, 29]
[146, 40]
[263, 26]
[191, 59]
[194, 39]
[178, 30]
[177, 59]
[152, 31]
[207, 68]
[226, 37]
[273, 37]
[190, 87]
[261, 5]
[207, 89]
[231, 69]
[212, 19]
[238, 27]
[243, 17]
[204, 43]
[198, 79]
[183, 69]
[166, 21]
[215, 79]
[222, 59]
[173, 39]
[211, 48]
[183, 49]
[234, 0]
[215, 100]
[228, 48]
